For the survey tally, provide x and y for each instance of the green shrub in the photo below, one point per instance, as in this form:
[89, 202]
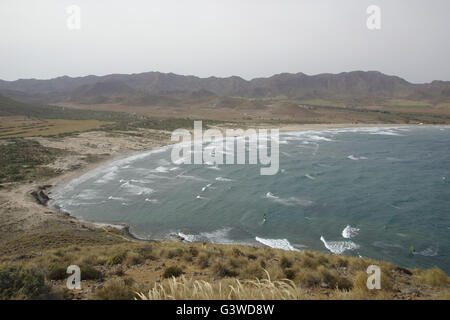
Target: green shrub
[132, 258]
[236, 252]
[222, 271]
[175, 253]
[328, 276]
[253, 271]
[252, 257]
[57, 272]
[193, 251]
[308, 262]
[172, 272]
[344, 284]
[16, 283]
[117, 259]
[289, 274]
[203, 260]
[309, 279]
[90, 273]
[285, 263]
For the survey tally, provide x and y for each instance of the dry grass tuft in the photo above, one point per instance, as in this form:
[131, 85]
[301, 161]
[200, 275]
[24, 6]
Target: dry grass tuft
[434, 277]
[229, 289]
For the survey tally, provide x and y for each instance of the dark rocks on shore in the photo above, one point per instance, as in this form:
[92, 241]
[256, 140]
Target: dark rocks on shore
[40, 195]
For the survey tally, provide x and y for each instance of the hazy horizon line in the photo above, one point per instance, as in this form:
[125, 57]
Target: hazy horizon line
[219, 77]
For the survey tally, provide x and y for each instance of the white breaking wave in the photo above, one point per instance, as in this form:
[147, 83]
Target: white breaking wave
[349, 232]
[291, 201]
[140, 181]
[277, 243]
[339, 247]
[317, 138]
[161, 169]
[223, 179]
[181, 175]
[109, 176]
[151, 200]
[352, 157]
[87, 194]
[217, 236]
[163, 162]
[206, 187]
[132, 188]
[116, 198]
[103, 170]
[309, 177]
[387, 133]
[428, 252]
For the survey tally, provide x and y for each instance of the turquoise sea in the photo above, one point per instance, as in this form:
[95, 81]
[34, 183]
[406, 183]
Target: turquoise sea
[370, 192]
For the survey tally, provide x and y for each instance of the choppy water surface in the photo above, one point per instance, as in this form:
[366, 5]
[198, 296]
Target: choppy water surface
[371, 192]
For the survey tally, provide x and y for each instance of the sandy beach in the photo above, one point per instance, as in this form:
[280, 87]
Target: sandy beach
[19, 211]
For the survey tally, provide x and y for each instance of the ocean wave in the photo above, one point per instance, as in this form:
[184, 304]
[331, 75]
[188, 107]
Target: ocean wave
[381, 244]
[318, 138]
[103, 170]
[349, 232]
[181, 175]
[217, 236]
[223, 179]
[206, 187]
[116, 198]
[111, 175]
[135, 189]
[161, 169]
[339, 247]
[310, 177]
[369, 130]
[428, 252]
[151, 200]
[140, 181]
[387, 133]
[87, 194]
[352, 157]
[291, 201]
[277, 243]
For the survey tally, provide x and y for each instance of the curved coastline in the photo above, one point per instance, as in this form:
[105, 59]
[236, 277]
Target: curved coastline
[78, 176]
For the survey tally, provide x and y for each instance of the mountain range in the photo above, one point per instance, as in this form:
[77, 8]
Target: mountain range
[166, 88]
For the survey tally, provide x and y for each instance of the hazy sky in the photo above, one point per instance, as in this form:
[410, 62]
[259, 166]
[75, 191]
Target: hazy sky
[248, 38]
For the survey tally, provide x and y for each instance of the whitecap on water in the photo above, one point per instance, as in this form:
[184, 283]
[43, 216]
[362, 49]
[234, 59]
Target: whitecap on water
[111, 175]
[206, 187]
[277, 243]
[428, 252]
[217, 236]
[116, 198]
[339, 247]
[160, 169]
[349, 232]
[352, 157]
[135, 189]
[291, 201]
[223, 179]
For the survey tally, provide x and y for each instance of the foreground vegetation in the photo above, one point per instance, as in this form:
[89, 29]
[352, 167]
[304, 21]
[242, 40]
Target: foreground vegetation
[173, 270]
[24, 159]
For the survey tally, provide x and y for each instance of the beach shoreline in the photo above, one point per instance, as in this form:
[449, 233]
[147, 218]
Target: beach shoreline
[68, 177]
